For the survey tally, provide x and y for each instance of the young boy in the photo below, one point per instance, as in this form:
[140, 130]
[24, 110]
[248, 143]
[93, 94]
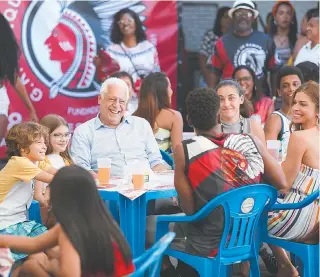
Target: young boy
[277, 125]
[26, 144]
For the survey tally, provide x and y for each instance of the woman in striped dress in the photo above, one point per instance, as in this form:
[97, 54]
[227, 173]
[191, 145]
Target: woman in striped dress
[302, 171]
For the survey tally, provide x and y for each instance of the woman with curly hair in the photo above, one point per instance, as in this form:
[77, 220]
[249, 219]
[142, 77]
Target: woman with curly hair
[9, 68]
[130, 49]
[262, 105]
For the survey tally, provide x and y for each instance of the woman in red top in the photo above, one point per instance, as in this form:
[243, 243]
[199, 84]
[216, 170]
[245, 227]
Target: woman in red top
[90, 243]
[263, 106]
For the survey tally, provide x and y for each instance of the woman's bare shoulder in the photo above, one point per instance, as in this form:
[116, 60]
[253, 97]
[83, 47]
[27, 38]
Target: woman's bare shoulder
[170, 114]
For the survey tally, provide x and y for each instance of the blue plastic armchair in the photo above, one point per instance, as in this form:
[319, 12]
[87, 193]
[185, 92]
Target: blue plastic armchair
[167, 158]
[34, 212]
[150, 261]
[308, 253]
[242, 210]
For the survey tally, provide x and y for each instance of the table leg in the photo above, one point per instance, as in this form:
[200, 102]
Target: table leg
[133, 215]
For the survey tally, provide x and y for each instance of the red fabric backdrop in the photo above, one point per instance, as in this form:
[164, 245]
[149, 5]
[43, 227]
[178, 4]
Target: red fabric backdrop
[58, 41]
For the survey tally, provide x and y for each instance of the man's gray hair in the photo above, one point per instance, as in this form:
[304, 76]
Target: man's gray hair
[113, 81]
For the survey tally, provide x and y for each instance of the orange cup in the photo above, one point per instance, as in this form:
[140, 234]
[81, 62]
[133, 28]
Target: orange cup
[104, 166]
[104, 176]
[138, 181]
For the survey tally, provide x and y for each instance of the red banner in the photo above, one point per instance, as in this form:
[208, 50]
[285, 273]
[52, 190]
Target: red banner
[56, 62]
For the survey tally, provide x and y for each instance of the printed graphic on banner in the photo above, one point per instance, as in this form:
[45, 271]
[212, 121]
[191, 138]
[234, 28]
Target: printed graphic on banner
[59, 40]
[57, 57]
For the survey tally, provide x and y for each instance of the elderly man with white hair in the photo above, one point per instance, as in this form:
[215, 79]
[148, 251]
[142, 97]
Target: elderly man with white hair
[123, 139]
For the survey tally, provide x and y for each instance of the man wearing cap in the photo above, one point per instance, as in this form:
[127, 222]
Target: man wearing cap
[244, 46]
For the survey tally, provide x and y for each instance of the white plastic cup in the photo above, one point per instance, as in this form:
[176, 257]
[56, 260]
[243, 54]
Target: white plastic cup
[104, 162]
[274, 147]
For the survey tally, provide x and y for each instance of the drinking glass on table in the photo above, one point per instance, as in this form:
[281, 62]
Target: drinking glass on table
[104, 167]
[138, 177]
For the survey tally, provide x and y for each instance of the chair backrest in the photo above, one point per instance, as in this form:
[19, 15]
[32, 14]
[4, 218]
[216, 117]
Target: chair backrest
[242, 211]
[150, 261]
[167, 158]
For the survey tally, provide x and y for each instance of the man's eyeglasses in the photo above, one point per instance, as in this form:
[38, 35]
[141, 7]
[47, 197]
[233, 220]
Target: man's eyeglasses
[127, 21]
[243, 14]
[244, 79]
[60, 135]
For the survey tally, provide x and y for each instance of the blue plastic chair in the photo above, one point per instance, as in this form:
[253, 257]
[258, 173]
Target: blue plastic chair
[150, 261]
[34, 212]
[242, 210]
[167, 158]
[308, 253]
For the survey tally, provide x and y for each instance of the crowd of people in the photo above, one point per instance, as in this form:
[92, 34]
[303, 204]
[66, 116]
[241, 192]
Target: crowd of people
[233, 117]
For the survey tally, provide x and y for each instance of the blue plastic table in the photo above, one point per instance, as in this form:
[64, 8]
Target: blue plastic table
[133, 215]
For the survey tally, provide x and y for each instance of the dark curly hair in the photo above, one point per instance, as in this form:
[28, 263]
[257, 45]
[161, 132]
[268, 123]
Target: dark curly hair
[22, 135]
[9, 52]
[310, 71]
[203, 105]
[117, 36]
[312, 13]
[289, 70]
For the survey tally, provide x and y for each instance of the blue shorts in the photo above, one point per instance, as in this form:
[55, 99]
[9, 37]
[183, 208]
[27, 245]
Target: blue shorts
[24, 229]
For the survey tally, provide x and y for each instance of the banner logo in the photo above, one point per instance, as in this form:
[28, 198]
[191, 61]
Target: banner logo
[59, 40]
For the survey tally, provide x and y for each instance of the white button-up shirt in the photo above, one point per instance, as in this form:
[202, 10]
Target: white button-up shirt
[133, 140]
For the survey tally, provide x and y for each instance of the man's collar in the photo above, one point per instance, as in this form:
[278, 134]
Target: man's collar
[98, 123]
[308, 45]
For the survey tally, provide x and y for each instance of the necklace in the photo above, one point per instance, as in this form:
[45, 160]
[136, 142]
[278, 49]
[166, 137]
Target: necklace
[223, 125]
[282, 40]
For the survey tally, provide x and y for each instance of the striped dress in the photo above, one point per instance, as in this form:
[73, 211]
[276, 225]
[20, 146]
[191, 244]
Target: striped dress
[297, 224]
[284, 134]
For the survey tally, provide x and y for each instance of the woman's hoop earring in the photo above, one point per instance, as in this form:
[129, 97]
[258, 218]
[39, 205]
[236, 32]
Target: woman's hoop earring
[275, 22]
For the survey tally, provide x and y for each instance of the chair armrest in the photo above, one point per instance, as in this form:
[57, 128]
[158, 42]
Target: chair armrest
[175, 218]
[163, 222]
[305, 202]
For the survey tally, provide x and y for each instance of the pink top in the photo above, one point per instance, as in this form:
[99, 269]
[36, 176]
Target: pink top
[262, 108]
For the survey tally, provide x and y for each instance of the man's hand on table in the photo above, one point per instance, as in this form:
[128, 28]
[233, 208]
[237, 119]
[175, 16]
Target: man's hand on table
[160, 167]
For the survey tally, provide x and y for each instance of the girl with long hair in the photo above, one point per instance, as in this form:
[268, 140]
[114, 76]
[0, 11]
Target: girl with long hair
[57, 156]
[262, 105]
[155, 107]
[283, 30]
[90, 242]
[235, 110]
[302, 171]
[208, 42]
